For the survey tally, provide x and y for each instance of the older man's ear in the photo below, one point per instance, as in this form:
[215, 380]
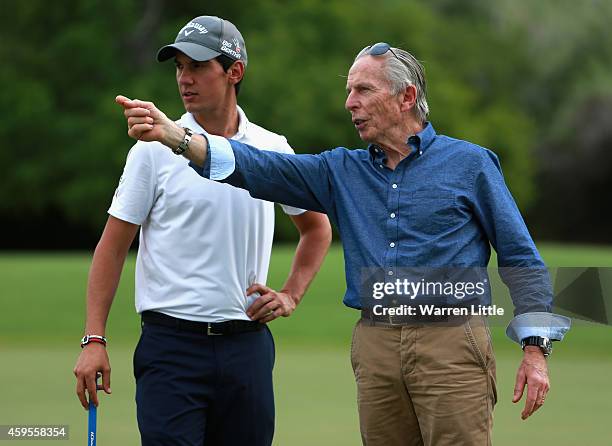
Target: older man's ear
[409, 98]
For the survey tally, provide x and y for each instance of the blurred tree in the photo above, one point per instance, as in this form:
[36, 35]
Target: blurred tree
[568, 93]
[574, 178]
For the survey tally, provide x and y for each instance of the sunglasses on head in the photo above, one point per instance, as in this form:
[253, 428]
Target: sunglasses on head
[380, 48]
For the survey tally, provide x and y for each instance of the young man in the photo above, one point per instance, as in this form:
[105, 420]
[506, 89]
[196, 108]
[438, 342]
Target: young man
[413, 199]
[203, 366]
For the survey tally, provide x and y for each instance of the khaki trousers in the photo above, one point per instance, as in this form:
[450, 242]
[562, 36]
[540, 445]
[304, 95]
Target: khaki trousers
[425, 385]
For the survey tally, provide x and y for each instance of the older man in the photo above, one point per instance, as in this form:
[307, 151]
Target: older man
[413, 198]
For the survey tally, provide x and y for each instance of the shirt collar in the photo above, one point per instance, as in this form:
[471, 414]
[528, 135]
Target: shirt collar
[187, 120]
[420, 142]
[377, 154]
[243, 124]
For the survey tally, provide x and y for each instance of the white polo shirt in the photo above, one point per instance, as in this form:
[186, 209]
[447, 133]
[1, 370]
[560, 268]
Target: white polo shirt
[202, 243]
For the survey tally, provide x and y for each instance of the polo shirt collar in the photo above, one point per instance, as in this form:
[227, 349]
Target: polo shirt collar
[243, 124]
[187, 120]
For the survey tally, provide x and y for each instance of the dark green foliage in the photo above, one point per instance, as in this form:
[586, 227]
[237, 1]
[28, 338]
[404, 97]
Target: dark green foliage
[64, 140]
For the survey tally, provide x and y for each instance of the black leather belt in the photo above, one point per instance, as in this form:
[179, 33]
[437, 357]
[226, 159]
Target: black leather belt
[206, 328]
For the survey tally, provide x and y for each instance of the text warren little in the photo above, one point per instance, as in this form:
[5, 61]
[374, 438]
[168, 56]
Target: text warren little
[434, 310]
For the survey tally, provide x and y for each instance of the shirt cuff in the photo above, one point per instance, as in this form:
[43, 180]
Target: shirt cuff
[547, 325]
[203, 171]
[222, 160]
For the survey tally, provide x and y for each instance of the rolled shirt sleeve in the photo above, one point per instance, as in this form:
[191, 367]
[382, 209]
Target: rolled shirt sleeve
[220, 162]
[547, 325]
[221, 158]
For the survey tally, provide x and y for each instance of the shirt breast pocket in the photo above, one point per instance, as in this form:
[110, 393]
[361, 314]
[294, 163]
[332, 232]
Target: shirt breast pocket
[432, 211]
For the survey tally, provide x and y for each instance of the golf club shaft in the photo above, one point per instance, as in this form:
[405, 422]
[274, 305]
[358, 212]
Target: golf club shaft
[92, 420]
[92, 428]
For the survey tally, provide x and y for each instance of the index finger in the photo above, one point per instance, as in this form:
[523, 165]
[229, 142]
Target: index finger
[257, 288]
[128, 103]
[519, 385]
[121, 99]
[92, 389]
[80, 390]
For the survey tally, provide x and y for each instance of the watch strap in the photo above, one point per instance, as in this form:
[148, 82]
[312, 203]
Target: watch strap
[184, 145]
[538, 341]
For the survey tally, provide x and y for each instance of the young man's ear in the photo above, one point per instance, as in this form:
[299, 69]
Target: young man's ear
[236, 71]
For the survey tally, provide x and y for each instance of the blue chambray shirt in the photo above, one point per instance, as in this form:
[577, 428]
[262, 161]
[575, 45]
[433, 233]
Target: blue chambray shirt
[444, 205]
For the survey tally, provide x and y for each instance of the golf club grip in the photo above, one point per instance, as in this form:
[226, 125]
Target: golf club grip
[92, 428]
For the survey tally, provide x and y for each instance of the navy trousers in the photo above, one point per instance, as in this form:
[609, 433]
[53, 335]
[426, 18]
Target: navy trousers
[194, 389]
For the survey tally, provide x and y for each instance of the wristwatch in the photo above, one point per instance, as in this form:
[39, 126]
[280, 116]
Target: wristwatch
[87, 339]
[184, 145]
[540, 341]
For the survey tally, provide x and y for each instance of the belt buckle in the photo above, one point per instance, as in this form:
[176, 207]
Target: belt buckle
[209, 332]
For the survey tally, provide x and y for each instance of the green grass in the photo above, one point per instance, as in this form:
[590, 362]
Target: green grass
[41, 319]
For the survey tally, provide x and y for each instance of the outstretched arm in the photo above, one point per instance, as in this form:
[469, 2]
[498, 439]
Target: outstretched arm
[301, 181]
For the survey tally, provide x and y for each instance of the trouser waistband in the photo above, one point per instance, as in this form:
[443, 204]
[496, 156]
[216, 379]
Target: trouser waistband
[205, 328]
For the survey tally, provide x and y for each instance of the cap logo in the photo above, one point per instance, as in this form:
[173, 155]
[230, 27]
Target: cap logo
[236, 44]
[226, 47]
[201, 28]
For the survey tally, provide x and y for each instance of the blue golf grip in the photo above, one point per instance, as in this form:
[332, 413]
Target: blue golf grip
[91, 431]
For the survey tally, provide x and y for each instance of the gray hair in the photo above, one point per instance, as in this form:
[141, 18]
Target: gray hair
[403, 69]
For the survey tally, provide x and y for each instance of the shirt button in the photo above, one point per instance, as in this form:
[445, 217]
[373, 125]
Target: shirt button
[392, 215]
[390, 273]
[394, 186]
[392, 245]
[380, 165]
